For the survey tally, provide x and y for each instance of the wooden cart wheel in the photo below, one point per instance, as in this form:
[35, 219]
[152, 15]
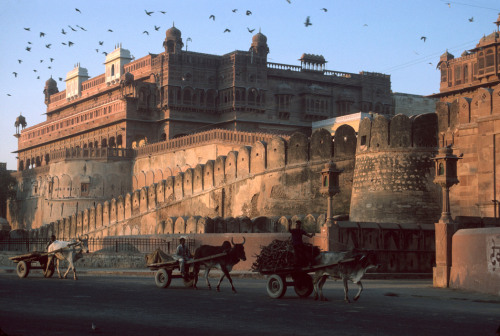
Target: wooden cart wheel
[303, 284]
[163, 278]
[23, 269]
[276, 286]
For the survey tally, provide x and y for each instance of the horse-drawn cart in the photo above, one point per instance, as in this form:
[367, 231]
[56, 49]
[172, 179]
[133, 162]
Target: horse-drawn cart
[164, 270]
[25, 264]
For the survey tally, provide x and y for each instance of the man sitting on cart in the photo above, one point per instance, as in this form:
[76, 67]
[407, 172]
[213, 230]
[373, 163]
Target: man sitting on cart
[182, 255]
[298, 244]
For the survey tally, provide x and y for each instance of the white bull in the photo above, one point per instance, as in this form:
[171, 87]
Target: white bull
[70, 251]
[347, 266]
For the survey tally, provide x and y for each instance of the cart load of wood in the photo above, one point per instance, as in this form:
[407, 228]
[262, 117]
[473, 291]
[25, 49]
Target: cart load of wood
[158, 256]
[280, 255]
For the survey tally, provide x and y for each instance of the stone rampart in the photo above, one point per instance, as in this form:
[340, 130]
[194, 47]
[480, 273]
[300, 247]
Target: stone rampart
[266, 179]
[393, 177]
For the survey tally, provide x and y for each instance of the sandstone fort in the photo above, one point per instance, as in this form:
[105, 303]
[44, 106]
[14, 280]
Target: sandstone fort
[182, 142]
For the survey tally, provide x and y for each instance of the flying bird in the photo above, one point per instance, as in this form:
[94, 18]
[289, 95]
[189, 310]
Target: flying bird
[34, 70]
[212, 17]
[83, 29]
[250, 30]
[51, 59]
[289, 1]
[105, 53]
[48, 46]
[145, 32]
[423, 38]
[471, 19]
[15, 74]
[249, 12]
[235, 10]
[70, 43]
[60, 79]
[37, 77]
[163, 12]
[49, 67]
[73, 29]
[110, 30]
[449, 4]
[227, 30]
[20, 61]
[28, 48]
[41, 61]
[63, 32]
[157, 28]
[97, 50]
[29, 42]
[42, 34]
[28, 29]
[308, 22]
[324, 10]
[63, 43]
[78, 10]
[148, 13]
[8, 94]
[101, 42]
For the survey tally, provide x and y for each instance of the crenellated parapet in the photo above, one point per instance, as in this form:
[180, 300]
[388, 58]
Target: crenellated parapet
[270, 177]
[393, 177]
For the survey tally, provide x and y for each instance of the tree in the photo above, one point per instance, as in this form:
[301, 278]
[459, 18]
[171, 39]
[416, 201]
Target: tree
[7, 191]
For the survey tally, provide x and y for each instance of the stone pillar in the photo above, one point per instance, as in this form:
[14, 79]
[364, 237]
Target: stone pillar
[444, 231]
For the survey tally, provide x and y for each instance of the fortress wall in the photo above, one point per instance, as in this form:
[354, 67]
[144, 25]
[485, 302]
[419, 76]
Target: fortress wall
[268, 186]
[393, 176]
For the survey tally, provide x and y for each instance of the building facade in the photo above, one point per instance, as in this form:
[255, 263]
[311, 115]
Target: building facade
[86, 150]
[469, 122]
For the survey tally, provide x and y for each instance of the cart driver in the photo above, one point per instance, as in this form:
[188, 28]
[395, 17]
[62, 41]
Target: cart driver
[297, 243]
[182, 254]
[52, 239]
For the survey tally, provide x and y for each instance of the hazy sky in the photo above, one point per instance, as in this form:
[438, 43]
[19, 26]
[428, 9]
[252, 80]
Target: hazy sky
[364, 35]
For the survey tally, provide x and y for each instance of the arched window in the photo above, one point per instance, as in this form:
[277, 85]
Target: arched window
[490, 59]
[466, 73]
[112, 143]
[119, 141]
[163, 137]
[112, 70]
[104, 143]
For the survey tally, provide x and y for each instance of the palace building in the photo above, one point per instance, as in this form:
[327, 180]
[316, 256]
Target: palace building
[97, 124]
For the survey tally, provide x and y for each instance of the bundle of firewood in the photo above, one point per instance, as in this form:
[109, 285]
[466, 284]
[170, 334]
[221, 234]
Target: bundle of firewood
[280, 255]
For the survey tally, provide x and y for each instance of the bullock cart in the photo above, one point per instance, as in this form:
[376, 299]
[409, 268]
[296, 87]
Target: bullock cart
[27, 262]
[302, 282]
[164, 270]
[283, 268]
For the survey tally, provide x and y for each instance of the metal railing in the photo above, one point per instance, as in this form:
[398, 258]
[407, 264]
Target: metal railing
[137, 245]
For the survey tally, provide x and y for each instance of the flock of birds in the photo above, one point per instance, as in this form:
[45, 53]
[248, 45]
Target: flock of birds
[70, 30]
[65, 31]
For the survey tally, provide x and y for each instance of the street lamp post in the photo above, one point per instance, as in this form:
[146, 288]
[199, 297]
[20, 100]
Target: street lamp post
[446, 177]
[330, 187]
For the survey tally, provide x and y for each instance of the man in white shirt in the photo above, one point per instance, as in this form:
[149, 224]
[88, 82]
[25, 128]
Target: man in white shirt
[182, 254]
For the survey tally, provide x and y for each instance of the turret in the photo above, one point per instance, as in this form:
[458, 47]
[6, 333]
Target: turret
[173, 41]
[50, 89]
[74, 80]
[114, 63]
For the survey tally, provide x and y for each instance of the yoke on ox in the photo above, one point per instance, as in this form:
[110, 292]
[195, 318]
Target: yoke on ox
[346, 266]
[70, 251]
[233, 255]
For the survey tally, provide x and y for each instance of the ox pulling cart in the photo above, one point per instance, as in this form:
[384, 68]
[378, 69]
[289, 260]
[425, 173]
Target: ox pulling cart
[46, 260]
[166, 267]
[278, 263]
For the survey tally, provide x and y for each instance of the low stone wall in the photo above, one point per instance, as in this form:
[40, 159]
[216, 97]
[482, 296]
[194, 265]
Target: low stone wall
[476, 260]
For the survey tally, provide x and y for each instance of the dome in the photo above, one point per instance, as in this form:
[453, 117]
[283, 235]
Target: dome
[490, 39]
[259, 38]
[50, 82]
[173, 33]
